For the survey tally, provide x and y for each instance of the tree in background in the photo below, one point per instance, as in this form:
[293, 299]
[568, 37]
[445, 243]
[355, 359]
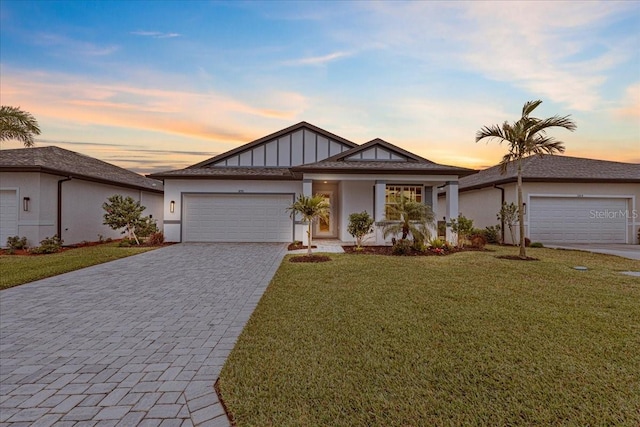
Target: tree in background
[124, 212]
[525, 137]
[360, 224]
[508, 216]
[310, 208]
[18, 124]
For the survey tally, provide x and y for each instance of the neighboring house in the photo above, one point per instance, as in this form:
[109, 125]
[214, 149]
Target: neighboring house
[568, 199]
[49, 191]
[242, 195]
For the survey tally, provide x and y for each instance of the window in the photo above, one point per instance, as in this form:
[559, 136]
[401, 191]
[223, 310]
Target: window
[396, 193]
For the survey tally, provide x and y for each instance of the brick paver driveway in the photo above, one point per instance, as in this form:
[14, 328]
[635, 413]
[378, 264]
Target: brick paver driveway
[137, 341]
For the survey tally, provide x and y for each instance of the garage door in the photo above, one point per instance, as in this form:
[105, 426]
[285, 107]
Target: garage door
[8, 215]
[237, 218]
[578, 220]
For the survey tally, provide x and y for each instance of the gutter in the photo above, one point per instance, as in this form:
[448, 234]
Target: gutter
[60, 205]
[501, 205]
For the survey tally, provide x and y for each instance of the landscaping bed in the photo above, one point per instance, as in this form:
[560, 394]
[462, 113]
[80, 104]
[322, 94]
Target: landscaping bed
[388, 250]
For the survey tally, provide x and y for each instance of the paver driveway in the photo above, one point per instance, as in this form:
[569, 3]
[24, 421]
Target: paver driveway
[137, 341]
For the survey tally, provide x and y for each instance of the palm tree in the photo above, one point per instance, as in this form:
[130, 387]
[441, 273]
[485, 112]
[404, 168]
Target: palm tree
[413, 218]
[526, 137]
[311, 208]
[17, 124]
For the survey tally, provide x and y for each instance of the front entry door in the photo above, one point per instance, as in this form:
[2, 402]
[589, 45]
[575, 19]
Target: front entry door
[326, 228]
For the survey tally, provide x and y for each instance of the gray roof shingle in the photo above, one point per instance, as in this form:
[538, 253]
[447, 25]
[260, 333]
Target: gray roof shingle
[548, 168]
[58, 161]
[228, 172]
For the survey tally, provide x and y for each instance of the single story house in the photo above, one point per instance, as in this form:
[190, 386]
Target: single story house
[47, 191]
[242, 195]
[567, 199]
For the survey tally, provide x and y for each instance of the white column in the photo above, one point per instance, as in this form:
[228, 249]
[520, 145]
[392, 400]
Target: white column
[303, 228]
[434, 209]
[380, 192]
[452, 209]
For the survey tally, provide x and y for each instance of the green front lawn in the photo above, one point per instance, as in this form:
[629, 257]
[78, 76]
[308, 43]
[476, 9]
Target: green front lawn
[18, 269]
[466, 339]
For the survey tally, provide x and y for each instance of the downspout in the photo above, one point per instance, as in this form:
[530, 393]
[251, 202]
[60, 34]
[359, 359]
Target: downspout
[501, 205]
[60, 205]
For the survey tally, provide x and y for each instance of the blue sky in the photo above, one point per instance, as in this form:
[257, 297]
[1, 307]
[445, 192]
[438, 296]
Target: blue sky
[161, 85]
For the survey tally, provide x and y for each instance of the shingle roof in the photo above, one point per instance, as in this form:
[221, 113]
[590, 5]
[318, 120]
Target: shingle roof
[414, 164]
[58, 161]
[548, 168]
[228, 172]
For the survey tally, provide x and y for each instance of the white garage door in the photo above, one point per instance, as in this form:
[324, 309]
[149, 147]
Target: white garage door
[237, 218]
[578, 220]
[8, 215]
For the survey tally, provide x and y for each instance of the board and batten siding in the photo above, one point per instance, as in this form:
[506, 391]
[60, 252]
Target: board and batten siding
[377, 153]
[294, 149]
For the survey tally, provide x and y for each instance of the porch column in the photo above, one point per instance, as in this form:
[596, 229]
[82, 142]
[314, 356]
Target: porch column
[380, 192]
[434, 209]
[303, 227]
[452, 209]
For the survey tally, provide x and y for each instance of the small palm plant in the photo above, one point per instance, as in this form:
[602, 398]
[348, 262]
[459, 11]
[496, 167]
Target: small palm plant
[310, 208]
[415, 219]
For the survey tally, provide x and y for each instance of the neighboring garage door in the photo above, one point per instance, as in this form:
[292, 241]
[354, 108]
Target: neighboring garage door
[578, 220]
[237, 218]
[8, 215]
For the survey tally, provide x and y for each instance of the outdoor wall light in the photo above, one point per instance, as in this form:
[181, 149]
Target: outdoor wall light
[26, 201]
[524, 209]
[172, 206]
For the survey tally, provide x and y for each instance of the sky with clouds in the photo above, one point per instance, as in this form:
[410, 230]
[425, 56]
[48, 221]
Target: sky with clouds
[161, 85]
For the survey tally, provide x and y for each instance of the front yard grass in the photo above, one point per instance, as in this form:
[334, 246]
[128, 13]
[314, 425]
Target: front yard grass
[17, 269]
[466, 339]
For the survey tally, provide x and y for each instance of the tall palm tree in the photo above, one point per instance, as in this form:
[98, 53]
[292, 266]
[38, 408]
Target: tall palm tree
[310, 208]
[525, 137]
[17, 124]
[414, 219]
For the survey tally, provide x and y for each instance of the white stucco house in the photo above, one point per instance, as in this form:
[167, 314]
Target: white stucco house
[567, 199]
[47, 191]
[242, 195]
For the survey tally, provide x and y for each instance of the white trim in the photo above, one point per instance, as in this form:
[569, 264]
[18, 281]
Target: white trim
[437, 180]
[35, 223]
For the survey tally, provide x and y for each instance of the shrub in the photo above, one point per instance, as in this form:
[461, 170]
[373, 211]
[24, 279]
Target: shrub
[492, 233]
[437, 243]
[536, 245]
[401, 247]
[125, 243]
[146, 227]
[49, 245]
[16, 242]
[360, 224]
[156, 239]
[478, 240]
[418, 245]
[639, 236]
[463, 227]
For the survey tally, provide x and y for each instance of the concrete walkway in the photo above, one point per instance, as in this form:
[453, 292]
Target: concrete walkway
[135, 342]
[625, 251]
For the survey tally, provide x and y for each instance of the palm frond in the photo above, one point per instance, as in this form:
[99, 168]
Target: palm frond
[17, 124]
[529, 106]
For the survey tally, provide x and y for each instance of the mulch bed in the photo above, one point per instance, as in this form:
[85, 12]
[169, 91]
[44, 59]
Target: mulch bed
[296, 246]
[517, 258]
[388, 250]
[310, 258]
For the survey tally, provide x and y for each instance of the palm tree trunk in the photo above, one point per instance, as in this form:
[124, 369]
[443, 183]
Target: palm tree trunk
[309, 239]
[523, 251]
